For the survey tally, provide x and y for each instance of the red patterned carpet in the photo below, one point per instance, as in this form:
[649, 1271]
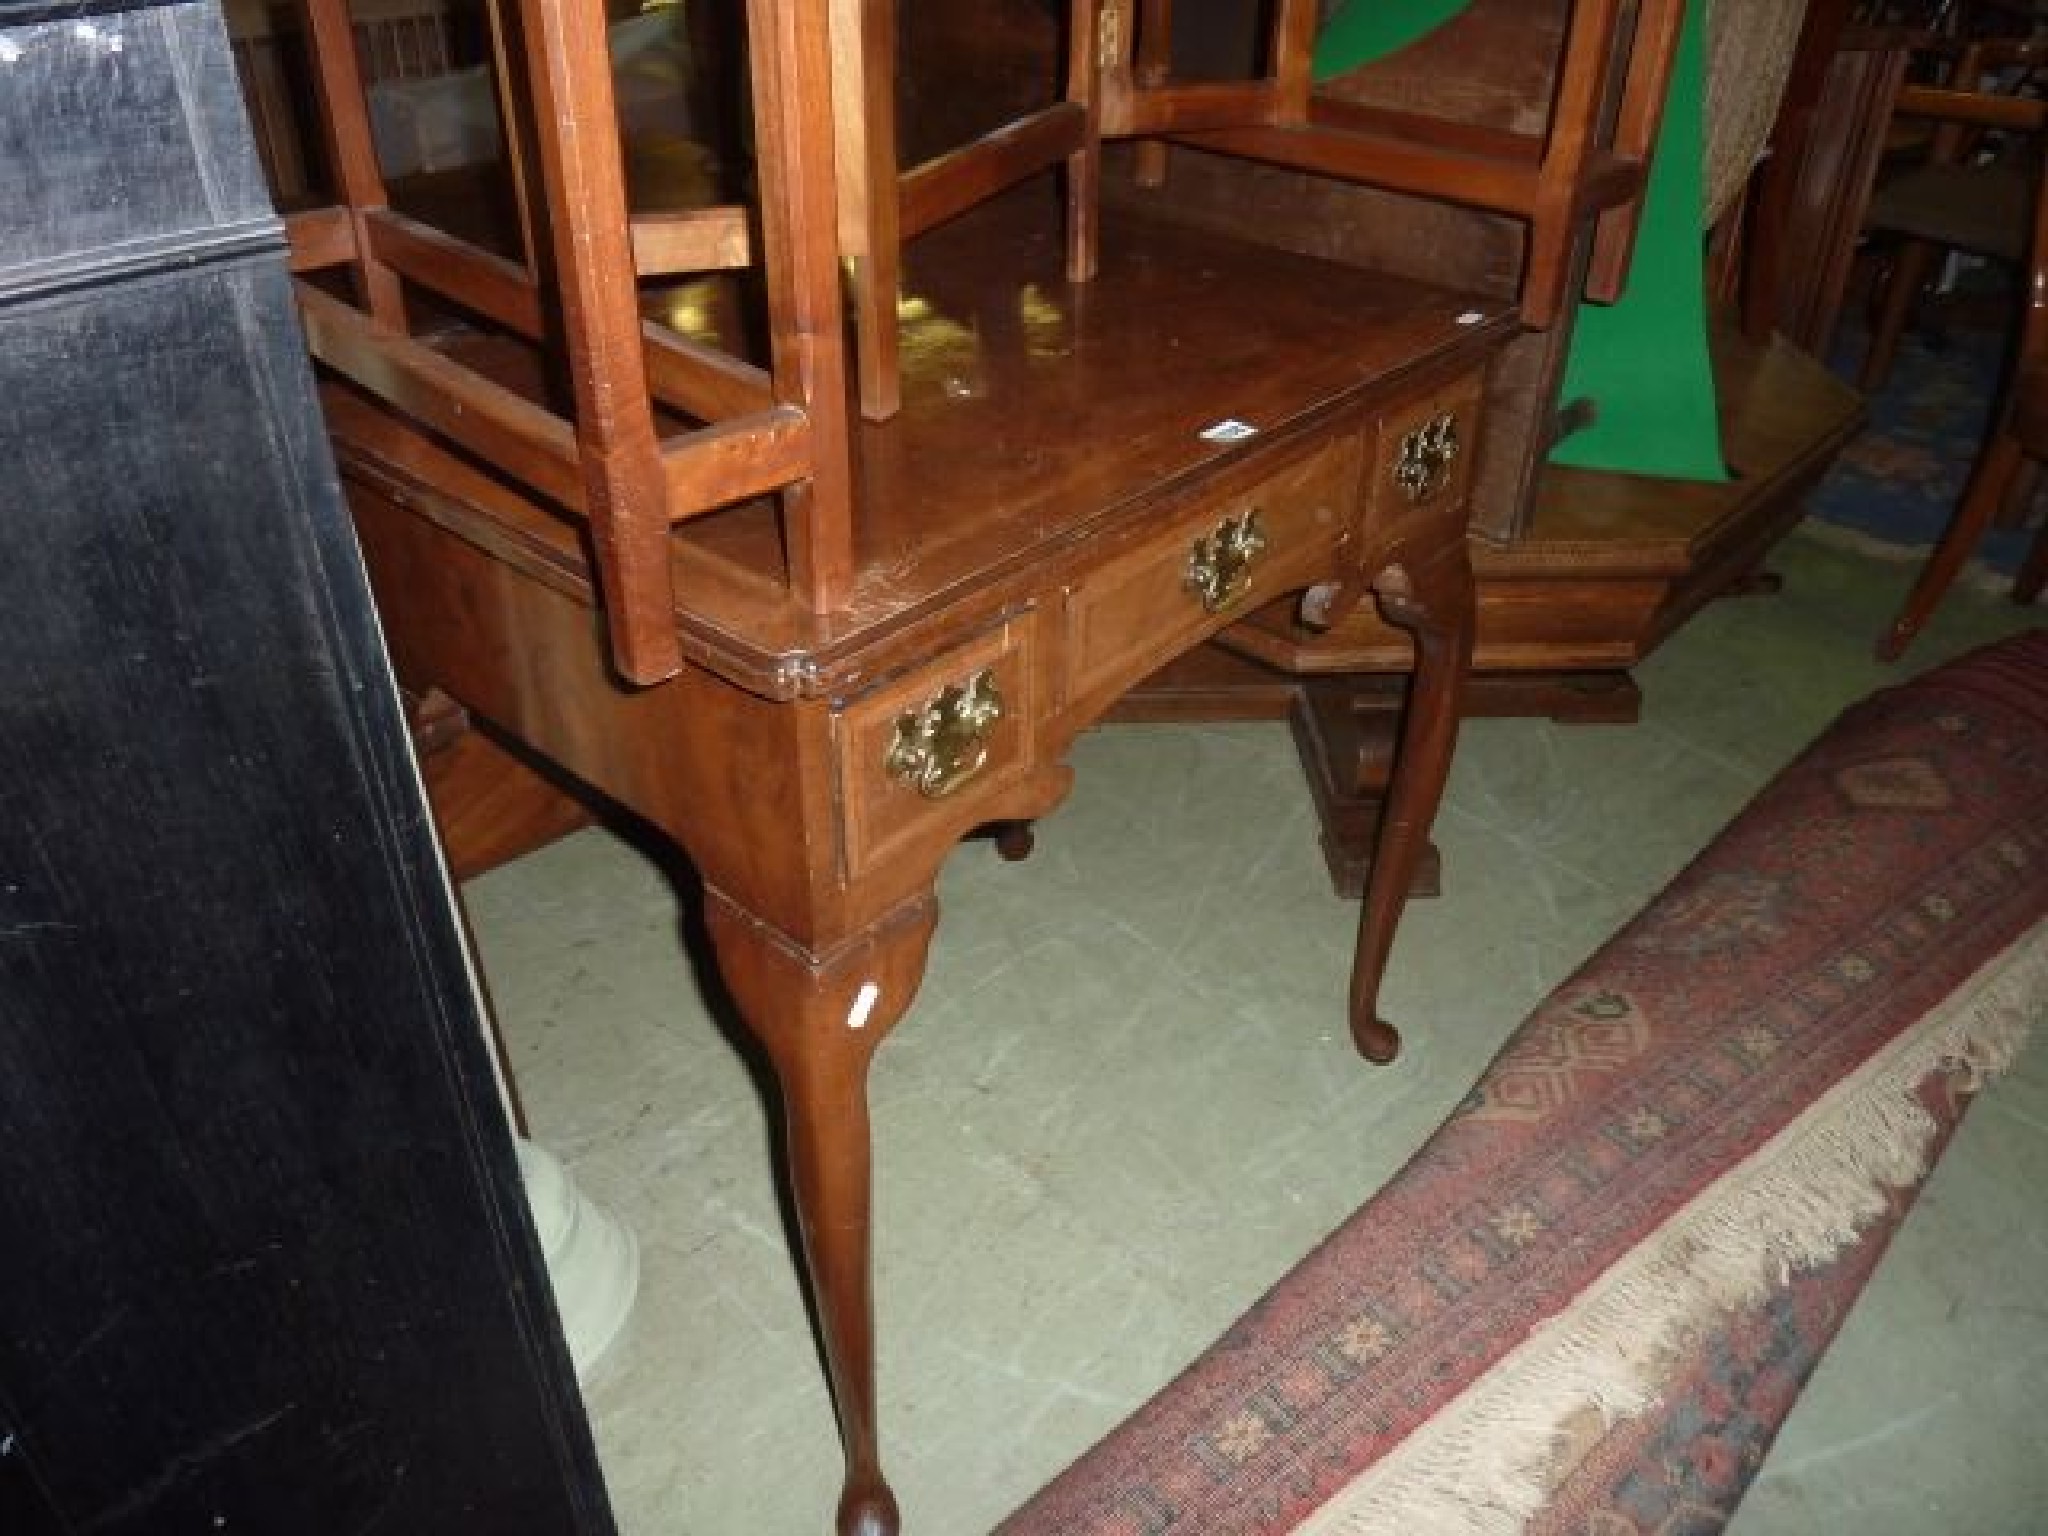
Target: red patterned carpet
[1594, 1294]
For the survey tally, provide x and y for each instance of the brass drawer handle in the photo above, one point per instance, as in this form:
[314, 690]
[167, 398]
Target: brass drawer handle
[1220, 562]
[1423, 466]
[943, 745]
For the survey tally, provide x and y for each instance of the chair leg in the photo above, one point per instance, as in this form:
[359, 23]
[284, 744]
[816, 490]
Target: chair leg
[2019, 501]
[2034, 573]
[1982, 498]
[1909, 274]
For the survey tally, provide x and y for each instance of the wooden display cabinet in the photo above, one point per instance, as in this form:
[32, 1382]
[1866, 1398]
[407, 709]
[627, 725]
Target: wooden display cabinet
[813, 526]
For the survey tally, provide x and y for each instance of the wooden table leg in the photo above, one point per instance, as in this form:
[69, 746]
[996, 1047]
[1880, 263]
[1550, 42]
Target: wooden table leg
[1432, 598]
[820, 1019]
[1015, 840]
[1983, 494]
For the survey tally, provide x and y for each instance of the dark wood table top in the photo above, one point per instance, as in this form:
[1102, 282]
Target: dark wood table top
[1034, 409]
[1040, 416]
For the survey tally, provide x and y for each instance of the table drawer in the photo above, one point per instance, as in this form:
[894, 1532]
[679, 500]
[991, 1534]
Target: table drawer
[1143, 607]
[1424, 453]
[919, 757]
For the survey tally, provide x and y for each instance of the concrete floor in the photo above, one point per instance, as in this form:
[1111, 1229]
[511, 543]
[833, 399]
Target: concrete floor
[1125, 1103]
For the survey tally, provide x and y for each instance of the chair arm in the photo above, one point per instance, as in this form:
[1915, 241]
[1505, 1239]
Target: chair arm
[1973, 107]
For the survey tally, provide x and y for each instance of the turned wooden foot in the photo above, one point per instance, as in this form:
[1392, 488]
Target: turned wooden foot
[1377, 1040]
[868, 1511]
[1432, 598]
[821, 1019]
[1015, 840]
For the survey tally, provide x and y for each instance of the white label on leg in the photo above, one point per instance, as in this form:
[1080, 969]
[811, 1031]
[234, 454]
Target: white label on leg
[863, 1004]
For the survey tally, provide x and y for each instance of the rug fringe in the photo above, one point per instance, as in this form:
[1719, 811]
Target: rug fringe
[1486, 1464]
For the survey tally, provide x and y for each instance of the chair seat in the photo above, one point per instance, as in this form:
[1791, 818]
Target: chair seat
[1977, 208]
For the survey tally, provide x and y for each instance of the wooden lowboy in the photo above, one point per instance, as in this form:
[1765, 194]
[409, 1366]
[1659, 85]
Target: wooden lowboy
[819, 562]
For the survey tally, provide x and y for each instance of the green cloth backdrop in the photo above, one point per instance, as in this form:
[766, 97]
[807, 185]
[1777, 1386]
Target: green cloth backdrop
[1643, 361]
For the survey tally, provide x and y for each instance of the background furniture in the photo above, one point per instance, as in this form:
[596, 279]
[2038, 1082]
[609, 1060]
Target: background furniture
[268, 1264]
[1813, 192]
[2019, 423]
[1968, 188]
[1580, 574]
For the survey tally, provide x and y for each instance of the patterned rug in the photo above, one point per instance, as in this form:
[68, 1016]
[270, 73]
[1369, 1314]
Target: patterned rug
[1895, 485]
[1593, 1295]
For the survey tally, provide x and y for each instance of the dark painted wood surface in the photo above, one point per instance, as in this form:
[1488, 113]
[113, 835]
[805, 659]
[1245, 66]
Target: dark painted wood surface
[265, 1263]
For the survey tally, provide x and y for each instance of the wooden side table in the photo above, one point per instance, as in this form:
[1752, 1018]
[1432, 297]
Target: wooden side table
[1084, 482]
[815, 612]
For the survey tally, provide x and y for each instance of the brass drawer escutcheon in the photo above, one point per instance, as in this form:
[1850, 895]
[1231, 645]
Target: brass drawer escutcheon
[940, 747]
[1220, 562]
[1423, 466]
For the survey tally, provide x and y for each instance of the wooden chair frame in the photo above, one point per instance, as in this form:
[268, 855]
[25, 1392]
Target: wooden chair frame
[823, 87]
[783, 428]
[2007, 445]
[1120, 86]
[1956, 138]
[1592, 158]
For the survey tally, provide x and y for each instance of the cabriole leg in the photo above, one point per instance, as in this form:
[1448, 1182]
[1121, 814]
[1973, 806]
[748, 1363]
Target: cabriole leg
[1433, 600]
[820, 1019]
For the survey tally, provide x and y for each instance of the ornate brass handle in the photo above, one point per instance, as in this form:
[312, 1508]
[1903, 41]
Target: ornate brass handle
[1423, 466]
[943, 745]
[1220, 562]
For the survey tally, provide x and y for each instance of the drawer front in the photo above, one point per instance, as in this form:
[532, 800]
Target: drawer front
[1145, 606]
[1424, 452]
[919, 757]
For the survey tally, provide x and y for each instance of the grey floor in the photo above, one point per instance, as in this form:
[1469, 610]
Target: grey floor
[1124, 1104]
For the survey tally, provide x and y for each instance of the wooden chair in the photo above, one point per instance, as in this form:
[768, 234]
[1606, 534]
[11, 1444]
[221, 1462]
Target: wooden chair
[755, 431]
[2019, 431]
[1590, 162]
[1955, 196]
